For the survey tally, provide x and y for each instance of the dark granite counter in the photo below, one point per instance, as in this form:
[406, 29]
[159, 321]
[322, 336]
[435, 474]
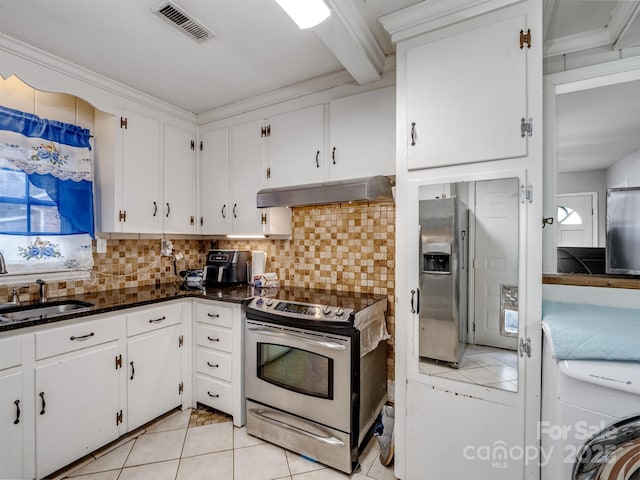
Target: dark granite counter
[114, 300]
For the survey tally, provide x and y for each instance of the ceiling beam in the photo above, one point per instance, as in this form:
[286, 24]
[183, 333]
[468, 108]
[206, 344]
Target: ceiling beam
[348, 37]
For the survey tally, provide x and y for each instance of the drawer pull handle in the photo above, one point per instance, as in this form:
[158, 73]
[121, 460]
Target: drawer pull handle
[17, 420]
[44, 404]
[133, 370]
[157, 320]
[213, 315]
[212, 395]
[213, 365]
[82, 337]
[214, 339]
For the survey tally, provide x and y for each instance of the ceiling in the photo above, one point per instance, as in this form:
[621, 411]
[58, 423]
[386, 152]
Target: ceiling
[258, 49]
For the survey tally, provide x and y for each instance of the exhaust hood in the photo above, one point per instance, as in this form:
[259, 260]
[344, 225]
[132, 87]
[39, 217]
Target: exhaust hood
[358, 190]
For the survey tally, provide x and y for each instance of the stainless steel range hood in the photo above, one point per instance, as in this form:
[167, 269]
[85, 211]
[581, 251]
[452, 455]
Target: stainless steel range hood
[359, 190]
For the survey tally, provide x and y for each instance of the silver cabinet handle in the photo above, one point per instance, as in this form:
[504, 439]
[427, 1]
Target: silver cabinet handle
[223, 211]
[312, 341]
[413, 134]
[82, 337]
[212, 395]
[318, 159]
[235, 205]
[133, 370]
[213, 339]
[213, 315]
[213, 365]
[44, 404]
[261, 415]
[155, 209]
[157, 320]
[168, 209]
[333, 155]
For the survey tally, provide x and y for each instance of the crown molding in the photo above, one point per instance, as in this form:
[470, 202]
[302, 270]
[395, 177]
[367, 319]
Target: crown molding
[427, 16]
[48, 72]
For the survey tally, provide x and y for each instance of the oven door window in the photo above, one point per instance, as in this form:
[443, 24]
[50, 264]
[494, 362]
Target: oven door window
[296, 370]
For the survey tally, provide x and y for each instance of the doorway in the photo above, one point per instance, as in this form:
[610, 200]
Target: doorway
[496, 259]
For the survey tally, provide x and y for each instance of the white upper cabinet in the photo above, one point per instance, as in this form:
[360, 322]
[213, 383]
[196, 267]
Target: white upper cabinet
[247, 177]
[141, 166]
[362, 135]
[178, 209]
[213, 183]
[145, 173]
[467, 95]
[295, 147]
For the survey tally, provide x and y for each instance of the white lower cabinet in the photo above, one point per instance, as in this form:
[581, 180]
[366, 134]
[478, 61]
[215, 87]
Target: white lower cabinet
[154, 375]
[67, 390]
[11, 425]
[12, 408]
[218, 359]
[77, 406]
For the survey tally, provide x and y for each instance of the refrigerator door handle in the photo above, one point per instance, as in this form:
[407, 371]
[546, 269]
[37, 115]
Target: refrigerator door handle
[415, 309]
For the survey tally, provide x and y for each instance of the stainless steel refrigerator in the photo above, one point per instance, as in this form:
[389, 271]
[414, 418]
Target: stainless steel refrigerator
[443, 279]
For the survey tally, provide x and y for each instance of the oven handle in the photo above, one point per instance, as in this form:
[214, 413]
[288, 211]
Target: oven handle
[276, 333]
[260, 414]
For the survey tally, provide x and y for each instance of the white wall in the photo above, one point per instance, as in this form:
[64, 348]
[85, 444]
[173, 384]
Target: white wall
[589, 181]
[626, 172]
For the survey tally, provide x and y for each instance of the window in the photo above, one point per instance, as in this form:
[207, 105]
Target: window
[46, 194]
[568, 216]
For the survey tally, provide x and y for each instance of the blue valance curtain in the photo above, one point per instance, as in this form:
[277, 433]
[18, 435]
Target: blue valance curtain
[49, 224]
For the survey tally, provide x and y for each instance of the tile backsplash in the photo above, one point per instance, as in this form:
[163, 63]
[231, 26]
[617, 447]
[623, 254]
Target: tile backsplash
[336, 247]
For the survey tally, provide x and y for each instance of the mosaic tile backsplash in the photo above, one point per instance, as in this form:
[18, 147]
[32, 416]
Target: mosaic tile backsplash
[336, 247]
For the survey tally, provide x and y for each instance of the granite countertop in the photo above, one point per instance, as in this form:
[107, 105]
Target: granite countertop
[114, 300]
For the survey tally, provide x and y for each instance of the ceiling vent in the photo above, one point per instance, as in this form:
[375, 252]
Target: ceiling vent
[182, 20]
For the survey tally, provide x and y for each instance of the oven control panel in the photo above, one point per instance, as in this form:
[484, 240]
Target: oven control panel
[306, 311]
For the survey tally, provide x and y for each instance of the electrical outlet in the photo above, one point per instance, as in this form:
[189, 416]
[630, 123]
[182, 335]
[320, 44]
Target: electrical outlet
[166, 248]
[101, 245]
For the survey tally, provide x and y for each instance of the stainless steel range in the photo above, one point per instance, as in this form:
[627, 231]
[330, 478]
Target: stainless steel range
[316, 374]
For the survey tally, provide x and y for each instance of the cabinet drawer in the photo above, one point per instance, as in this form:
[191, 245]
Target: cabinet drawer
[214, 337]
[215, 314]
[214, 393]
[214, 364]
[153, 318]
[75, 337]
[10, 352]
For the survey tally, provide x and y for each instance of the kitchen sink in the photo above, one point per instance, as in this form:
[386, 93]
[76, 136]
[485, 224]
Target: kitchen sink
[23, 313]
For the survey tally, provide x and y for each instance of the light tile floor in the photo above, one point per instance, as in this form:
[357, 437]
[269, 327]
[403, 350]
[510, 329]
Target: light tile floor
[175, 448]
[492, 367]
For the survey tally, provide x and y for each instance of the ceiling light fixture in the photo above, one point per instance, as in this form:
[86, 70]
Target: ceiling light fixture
[306, 13]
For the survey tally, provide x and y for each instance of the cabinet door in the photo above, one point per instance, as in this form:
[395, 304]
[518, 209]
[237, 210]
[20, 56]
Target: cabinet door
[153, 379]
[248, 176]
[362, 135]
[11, 421]
[466, 96]
[76, 405]
[295, 147]
[141, 198]
[213, 183]
[178, 208]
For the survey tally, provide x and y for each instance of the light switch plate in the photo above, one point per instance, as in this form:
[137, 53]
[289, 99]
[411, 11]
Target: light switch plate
[101, 245]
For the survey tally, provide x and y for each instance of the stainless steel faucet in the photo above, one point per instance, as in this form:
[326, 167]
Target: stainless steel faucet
[43, 290]
[3, 266]
[15, 294]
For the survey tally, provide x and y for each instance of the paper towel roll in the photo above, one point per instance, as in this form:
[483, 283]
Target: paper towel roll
[258, 262]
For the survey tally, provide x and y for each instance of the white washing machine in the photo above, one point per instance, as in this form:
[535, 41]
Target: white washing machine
[590, 411]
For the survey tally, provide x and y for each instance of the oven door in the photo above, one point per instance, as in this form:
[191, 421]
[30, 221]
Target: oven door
[300, 372]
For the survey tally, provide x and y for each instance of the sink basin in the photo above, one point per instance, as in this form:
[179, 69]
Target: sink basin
[22, 313]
